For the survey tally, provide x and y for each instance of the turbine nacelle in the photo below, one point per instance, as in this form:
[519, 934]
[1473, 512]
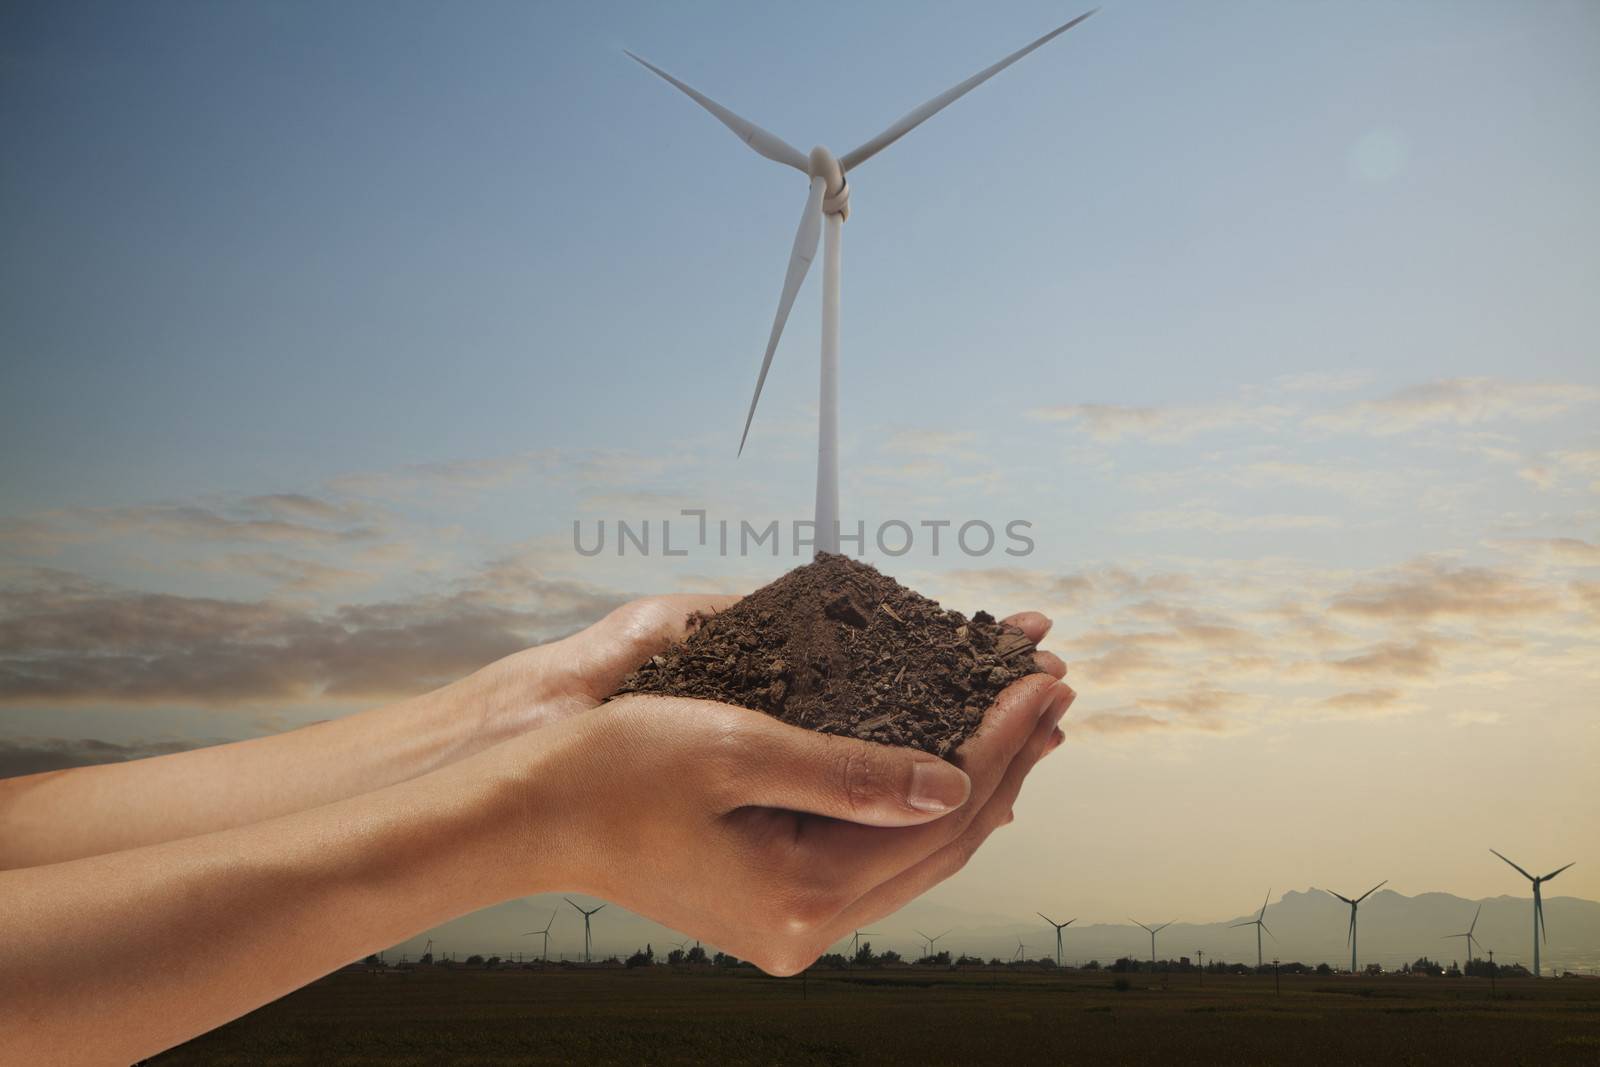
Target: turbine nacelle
[835, 190]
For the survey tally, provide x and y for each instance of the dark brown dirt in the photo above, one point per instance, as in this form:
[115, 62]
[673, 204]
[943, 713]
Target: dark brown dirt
[837, 647]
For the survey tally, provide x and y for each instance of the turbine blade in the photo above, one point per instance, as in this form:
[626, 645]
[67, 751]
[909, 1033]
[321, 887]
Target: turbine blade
[1045, 917]
[805, 250]
[1371, 891]
[1250, 922]
[1136, 922]
[1341, 896]
[857, 156]
[1070, 921]
[1538, 913]
[768, 144]
[1475, 915]
[1555, 872]
[1520, 871]
[1264, 901]
[1268, 929]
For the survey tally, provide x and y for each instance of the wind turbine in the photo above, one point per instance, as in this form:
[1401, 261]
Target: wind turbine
[929, 940]
[1260, 926]
[1468, 935]
[1154, 930]
[585, 915]
[1059, 927]
[1538, 906]
[855, 942]
[1351, 936]
[545, 933]
[1021, 953]
[828, 202]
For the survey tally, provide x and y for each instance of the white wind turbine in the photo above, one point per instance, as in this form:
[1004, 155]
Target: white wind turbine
[1260, 925]
[1354, 904]
[829, 201]
[1470, 935]
[1538, 906]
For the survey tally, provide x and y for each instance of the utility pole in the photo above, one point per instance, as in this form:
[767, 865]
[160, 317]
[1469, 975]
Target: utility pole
[1491, 974]
[1277, 985]
[1201, 956]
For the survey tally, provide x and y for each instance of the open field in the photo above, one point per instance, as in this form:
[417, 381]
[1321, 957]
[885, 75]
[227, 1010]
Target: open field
[656, 1015]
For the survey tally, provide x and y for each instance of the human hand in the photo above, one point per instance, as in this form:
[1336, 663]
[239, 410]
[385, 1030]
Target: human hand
[761, 837]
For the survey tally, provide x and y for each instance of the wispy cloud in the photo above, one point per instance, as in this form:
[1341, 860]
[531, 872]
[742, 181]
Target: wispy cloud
[1432, 589]
[1461, 402]
[1111, 422]
[1197, 516]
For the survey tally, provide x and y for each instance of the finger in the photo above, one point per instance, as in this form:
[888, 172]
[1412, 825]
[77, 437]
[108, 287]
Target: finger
[860, 782]
[1050, 664]
[1033, 623]
[867, 857]
[900, 890]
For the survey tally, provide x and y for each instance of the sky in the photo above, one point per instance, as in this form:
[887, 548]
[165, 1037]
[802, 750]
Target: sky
[323, 325]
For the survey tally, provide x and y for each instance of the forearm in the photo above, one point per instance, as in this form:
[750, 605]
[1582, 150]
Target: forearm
[66, 815]
[112, 958]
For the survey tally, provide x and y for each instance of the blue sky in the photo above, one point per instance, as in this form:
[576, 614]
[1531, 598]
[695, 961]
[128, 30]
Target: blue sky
[1276, 320]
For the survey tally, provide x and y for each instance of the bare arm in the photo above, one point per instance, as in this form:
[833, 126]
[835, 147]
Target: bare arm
[65, 815]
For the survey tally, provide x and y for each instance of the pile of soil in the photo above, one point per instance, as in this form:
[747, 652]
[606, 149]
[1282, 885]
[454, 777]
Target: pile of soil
[837, 647]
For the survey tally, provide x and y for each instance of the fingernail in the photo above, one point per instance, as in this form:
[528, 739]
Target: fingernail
[937, 787]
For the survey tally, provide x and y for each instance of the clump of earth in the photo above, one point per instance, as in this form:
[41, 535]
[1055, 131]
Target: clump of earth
[838, 647]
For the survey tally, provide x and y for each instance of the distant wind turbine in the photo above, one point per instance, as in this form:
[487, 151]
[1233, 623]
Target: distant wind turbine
[1260, 926]
[1538, 906]
[855, 942]
[1351, 936]
[829, 200]
[929, 940]
[545, 933]
[1154, 930]
[1468, 934]
[586, 915]
[1059, 927]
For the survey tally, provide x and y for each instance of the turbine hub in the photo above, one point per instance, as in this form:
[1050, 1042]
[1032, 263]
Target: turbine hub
[836, 193]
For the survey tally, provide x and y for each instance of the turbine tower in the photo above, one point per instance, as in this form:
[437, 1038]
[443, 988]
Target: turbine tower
[1351, 936]
[929, 940]
[585, 915]
[1538, 906]
[545, 933]
[1260, 926]
[1154, 930]
[1059, 927]
[827, 206]
[1468, 935]
[855, 942]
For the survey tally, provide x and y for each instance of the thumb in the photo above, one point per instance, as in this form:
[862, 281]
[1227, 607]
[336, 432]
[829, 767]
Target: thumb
[857, 781]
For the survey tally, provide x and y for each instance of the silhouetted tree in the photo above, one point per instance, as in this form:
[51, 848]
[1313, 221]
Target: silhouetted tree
[1324, 970]
[675, 957]
[888, 956]
[474, 960]
[695, 955]
[938, 959]
[641, 958]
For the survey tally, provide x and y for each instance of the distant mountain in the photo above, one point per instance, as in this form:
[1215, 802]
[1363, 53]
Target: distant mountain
[1309, 926]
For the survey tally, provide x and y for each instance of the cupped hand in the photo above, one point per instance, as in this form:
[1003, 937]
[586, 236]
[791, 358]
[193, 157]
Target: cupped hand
[767, 839]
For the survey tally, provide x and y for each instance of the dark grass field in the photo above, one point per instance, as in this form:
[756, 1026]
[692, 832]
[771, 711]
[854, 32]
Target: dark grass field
[657, 1016]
